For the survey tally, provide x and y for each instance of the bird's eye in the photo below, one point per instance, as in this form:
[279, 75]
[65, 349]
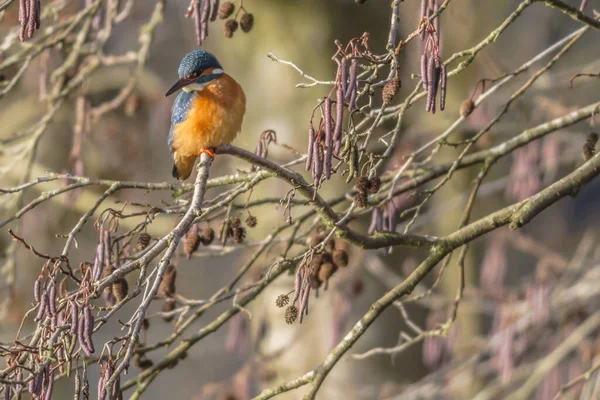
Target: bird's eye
[192, 75]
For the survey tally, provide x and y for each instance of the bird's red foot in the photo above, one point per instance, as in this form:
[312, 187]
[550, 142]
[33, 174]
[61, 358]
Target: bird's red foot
[210, 151]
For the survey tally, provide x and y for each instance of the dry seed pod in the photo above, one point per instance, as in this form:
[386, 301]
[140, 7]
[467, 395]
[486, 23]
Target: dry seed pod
[247, 22]
[390, 89]
[192, 241]
[315, 239]
[466, 108]
[239, 234]
[107, 272]
[168, 306]
[291, 314]
[167, 285]
[230, 28]
[120, 289]
[282, 300]
[374, 184]
[226, 10]
[251, 221]
[143, 241]
[362, 186]
[234, 222]
[145, 324]
[208, 235]
[326, 270]
[316, 262]
[225, 230]
[329, 246]
[340, 258]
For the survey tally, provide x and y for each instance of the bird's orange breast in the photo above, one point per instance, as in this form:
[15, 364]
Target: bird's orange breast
[214, 118]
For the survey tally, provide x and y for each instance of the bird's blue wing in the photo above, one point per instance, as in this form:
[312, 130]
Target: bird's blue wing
[179, 112]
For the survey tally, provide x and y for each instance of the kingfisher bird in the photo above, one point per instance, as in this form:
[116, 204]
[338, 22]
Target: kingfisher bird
[207, 112]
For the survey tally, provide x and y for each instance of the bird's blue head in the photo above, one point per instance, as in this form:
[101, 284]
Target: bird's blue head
[196, 70]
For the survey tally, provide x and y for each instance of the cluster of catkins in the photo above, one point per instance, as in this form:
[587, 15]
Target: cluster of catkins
[29, 18]
[204, 11]
[194, 237]
[326, 142]
[41, 386]
[45, 297]
[262, 146]
[384, 218]
[106, 371]
[433, 71]
[103, 267]
[81, 323]
[312, 274]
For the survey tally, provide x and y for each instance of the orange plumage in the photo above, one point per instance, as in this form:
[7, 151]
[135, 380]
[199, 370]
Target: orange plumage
[214, 117]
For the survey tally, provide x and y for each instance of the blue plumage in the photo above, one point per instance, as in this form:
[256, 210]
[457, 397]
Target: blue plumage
[197, 61]
[179, 111]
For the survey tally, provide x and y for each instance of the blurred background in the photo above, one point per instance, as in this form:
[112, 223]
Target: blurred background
[130, 144]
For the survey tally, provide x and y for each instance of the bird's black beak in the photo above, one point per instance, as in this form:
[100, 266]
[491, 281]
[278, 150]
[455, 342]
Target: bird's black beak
[178, 85]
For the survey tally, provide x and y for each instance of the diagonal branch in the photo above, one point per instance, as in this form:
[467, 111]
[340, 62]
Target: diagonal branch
[542, 200]
[573, 12]
[172, 239]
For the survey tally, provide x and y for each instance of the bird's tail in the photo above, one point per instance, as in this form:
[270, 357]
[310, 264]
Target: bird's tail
[182, 166]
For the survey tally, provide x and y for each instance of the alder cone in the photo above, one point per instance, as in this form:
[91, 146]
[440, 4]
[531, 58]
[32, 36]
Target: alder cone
[390, 89]
[226, 9]
[466, 108]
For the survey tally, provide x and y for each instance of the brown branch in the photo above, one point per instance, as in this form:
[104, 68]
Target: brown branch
[543, 199]
[572, 12]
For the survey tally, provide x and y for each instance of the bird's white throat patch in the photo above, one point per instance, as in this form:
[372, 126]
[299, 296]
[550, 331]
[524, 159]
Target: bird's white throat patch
[198, 87]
